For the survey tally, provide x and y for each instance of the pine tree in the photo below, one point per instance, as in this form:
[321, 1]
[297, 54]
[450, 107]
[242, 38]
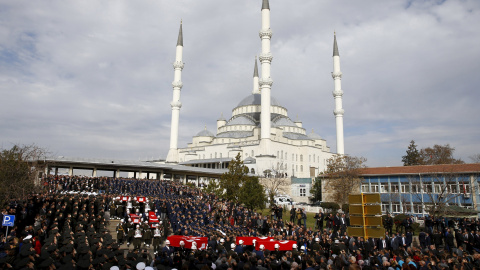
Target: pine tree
[231, 181]
[252, 194]
[412, 157]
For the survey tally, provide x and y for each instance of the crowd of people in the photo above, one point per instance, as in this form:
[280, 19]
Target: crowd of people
[64, 228]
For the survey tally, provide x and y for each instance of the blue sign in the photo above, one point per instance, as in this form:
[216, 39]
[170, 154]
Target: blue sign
[8, 220]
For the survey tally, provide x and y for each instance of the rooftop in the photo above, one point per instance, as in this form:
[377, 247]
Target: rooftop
[422, 169]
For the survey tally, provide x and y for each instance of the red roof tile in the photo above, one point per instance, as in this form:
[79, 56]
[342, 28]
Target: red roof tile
[422, 169]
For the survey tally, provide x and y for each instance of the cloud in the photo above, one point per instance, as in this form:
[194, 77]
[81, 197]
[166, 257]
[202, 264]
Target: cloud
[94, 78]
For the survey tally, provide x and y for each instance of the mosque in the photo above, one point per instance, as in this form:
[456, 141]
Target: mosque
[269, 142]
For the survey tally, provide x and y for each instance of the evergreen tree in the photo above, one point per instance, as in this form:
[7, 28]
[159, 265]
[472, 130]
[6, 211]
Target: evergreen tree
[232, 181]
[252, 194]
[412, 157]
[316, 190]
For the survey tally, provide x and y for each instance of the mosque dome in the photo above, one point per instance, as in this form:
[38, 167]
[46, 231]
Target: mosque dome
[284, 122]
[256, 99]
[314, 136]
[241, 120]
[205, 133]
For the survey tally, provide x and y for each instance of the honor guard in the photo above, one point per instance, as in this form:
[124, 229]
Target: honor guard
[137, 238]
[157, 238]
[120, 231]
[167, 248]
[147, 235]
[113, 210]
[129, 204]
[131, 231]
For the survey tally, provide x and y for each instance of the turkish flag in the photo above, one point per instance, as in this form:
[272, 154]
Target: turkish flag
[248, 240]
[135, 218]
[175, 241]
[270, 245]
[152, 219]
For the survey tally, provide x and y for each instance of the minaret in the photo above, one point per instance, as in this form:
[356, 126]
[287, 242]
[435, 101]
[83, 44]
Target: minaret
[177, 84]
[265, 81]
[256, 90]
[337, 95]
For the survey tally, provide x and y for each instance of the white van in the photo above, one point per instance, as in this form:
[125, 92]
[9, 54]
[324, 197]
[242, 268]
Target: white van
[283, 200]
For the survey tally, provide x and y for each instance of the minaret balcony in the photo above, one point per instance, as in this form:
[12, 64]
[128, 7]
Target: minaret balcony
[178, 65]
[265, 34]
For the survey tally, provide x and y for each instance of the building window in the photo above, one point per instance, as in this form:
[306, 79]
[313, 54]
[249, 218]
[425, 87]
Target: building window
[220, 155]
[405, 188]
[302, 192]
[365, 188]
[301, 168]
[396, 208]
[252, 171]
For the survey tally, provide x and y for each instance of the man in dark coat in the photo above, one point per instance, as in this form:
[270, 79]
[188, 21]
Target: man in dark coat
[449, 240]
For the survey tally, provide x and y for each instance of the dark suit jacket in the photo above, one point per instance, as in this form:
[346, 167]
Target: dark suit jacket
[449, 239]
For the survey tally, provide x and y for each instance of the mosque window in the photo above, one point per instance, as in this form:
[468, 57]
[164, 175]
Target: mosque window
[293, 157]
[301, 168]
[220, 155]
[215, 154]
[278, 154]
[252, 171]
[309, 158]
[252, 153]
[296, 168]
[301, 158]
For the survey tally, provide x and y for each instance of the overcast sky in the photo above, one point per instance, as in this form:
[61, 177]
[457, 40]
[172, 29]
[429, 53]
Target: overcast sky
[93, 78]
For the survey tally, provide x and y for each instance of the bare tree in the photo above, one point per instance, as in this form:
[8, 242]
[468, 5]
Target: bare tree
[343, 177]
[475, 158]
[438, 154]
[437, 190]
[19, 168]
[275, 181]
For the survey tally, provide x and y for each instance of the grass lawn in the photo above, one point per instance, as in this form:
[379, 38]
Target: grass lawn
[286, 217]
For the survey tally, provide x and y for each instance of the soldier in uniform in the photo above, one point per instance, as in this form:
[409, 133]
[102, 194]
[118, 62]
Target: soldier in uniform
[157, 236]
[120, 211]
[113, 210]
[120, 231]
[137, 238]
[131, 232]
[167, 248]
[220, 247]
[147, 234]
